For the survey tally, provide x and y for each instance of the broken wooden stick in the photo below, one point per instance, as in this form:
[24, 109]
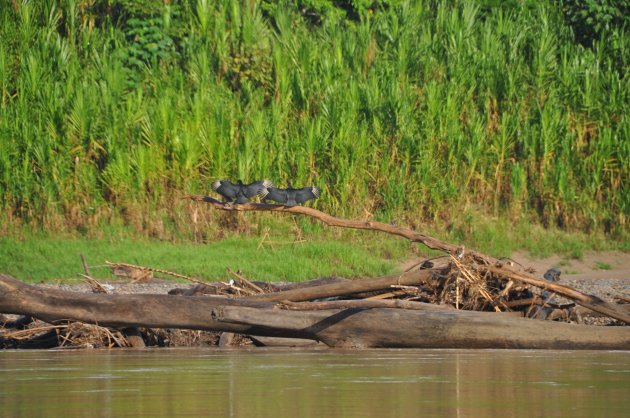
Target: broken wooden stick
[361, 304]
[152, 269]
[346, 288]
[244, 280]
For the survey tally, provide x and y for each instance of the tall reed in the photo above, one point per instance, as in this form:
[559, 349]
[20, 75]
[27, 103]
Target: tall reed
[417, 111]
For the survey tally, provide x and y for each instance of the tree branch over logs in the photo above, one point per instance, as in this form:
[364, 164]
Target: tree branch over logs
[483, 262]
[330, 220]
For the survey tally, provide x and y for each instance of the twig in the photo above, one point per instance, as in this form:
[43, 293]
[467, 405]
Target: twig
[238, 289]
[474, 281]
[393, 294]
[588, 301]
[331, 220]
[28, 333]
[94, 284]
[247, 282]
[85, 266]
[170, 273]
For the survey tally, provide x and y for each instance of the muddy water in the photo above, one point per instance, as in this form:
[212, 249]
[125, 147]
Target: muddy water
[277, 383]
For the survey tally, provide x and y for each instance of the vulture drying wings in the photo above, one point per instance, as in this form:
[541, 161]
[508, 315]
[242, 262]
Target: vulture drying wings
[291, 196]
[241, 193]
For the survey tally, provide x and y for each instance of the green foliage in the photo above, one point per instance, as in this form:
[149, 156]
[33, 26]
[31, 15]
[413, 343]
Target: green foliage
[317, 12]
[600, 265]
[591, 19]
[147, 43]
[409, 111]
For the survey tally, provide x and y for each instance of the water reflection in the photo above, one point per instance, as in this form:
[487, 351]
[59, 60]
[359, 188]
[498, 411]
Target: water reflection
[370, 383]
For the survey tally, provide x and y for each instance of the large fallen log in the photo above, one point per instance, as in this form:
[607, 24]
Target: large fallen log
[405, 328]
[377, 327]
[121, 311]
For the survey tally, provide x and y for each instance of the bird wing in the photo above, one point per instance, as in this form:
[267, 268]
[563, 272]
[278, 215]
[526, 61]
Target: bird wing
[225, 188]
[257, 188]
[277, 195]
[306, 193]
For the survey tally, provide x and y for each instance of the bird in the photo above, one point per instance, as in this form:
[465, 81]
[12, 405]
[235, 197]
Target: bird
[239, 192]
[291, 196]
[553, 275]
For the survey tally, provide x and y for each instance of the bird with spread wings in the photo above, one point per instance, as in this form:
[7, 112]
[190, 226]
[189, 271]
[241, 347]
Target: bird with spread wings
[239, 192]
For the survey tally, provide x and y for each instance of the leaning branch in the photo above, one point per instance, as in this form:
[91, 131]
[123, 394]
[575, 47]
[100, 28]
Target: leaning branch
[484, 262]
[332, 221]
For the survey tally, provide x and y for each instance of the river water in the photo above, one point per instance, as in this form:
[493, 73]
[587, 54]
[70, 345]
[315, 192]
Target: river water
[319, 383]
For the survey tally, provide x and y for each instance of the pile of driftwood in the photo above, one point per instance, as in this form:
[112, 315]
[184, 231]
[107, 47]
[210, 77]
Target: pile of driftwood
[463, 299]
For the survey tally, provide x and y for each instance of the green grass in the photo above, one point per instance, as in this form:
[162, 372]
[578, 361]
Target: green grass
[281, 252]
[500, 237]
[412, 113]
[602, 266]
[41, 258]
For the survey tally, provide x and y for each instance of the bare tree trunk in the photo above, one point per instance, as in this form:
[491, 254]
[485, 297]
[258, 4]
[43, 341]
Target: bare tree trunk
[405, 328]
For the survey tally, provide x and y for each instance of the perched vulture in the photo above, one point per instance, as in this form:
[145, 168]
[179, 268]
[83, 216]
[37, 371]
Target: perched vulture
[239, 192]
[291, 196]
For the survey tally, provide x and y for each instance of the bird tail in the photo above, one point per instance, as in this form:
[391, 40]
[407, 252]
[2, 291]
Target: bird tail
[216, 185]
[263, 192]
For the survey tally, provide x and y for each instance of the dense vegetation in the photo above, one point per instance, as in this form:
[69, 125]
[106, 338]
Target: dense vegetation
[416, 110]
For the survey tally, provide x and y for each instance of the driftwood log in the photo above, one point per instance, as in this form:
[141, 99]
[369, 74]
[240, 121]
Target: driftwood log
[348, 327]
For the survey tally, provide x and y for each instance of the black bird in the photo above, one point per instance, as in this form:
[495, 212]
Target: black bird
[239, 192]
[553, 275]
[291, 196]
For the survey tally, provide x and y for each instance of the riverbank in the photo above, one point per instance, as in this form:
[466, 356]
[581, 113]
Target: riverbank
[612, 286]
[605, 274]
[263, 251]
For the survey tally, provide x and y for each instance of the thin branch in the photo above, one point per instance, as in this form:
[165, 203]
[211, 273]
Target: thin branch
[362, 304]
[170, 273]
